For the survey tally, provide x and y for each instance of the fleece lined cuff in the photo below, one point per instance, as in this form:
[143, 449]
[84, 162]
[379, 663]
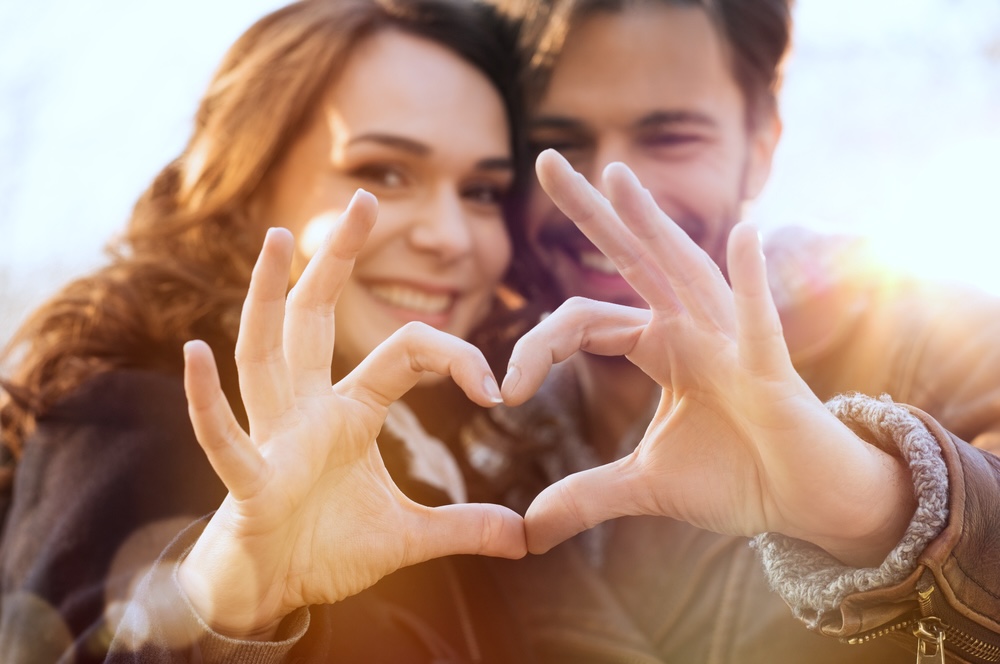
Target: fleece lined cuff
[810, 580]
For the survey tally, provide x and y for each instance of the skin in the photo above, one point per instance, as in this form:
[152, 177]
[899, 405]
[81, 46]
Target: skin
[650, 87]
[427, 133]
[440, 244]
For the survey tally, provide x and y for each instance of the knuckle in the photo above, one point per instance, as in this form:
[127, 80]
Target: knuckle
[568, 498]
[298, 299]
[577, 307]
[415, 331]
[247, 354]
[489, 530]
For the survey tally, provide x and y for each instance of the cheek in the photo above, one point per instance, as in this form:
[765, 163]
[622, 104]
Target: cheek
[358, 332]
[694, 190]
[539, 207]
[493, 253]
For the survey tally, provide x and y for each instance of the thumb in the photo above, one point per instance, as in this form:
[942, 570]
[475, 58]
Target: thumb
[467, 528]
[576, 503]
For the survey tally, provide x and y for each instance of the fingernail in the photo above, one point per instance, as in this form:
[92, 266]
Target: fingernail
[492, 389]
[512, 378]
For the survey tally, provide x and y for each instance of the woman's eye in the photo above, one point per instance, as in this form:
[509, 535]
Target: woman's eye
[387, 177]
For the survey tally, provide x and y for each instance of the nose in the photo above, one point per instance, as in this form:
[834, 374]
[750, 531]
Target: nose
[605, 152]
[443, 227]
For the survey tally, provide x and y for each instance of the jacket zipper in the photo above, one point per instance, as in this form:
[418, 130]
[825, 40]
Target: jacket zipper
[932, 632]
[970, 640]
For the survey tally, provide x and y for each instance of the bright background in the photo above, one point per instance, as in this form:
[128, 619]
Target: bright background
[891, 110]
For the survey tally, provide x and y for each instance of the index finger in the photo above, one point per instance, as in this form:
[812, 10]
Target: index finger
[600, 328]
[398, 363]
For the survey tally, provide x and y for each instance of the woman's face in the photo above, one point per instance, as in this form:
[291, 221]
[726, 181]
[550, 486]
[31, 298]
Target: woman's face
[427, 134]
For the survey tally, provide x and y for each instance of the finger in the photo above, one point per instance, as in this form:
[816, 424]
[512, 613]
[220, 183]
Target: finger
[601, 328]
[264, 381]
[761, 344]
[309, 312]
[471, 528]
[595, 217]
[692, 274]
[579, 502]
[230, 451]
[399, 362]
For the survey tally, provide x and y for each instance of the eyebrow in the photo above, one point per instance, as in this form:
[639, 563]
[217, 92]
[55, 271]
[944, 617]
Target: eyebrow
[658, 118]
[422, 150]
[392, 141]
[648, 121]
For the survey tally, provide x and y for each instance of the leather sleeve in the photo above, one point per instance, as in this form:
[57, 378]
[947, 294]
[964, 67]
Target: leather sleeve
[947, 584]
[956, 584]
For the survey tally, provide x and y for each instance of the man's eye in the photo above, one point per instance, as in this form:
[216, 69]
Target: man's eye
[668, 140]
[562, 146]
[484, 194]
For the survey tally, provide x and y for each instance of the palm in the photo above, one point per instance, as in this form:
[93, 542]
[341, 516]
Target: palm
[312, 515]
[739, 443]
[304, 477]
[702, 445]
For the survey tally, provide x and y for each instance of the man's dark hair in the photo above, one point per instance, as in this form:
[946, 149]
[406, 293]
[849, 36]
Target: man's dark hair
[757, 34]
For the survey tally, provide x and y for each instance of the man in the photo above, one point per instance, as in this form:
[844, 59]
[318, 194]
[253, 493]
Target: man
[684, 93]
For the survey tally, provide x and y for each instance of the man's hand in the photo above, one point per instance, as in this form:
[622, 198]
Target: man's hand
[739, 443]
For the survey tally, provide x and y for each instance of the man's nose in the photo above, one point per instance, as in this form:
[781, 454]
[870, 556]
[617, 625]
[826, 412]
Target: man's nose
[605, 152]
[443, 225]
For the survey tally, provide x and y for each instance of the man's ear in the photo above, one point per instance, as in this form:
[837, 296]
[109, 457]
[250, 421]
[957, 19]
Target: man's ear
[763, 140]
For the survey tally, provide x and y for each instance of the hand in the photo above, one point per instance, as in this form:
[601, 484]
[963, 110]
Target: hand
[739, 444]
[312, 516]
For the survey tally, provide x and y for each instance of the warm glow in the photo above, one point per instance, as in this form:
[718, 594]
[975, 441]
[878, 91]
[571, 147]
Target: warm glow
[891, 113]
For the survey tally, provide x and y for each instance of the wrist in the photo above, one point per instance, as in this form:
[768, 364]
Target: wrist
[227, 606]
[881, 519]
[810, 580]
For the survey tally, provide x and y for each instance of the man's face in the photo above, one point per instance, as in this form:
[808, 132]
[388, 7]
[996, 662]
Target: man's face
[650, 87]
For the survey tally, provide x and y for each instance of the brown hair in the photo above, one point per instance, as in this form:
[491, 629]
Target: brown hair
[181, 269]
[757, 33]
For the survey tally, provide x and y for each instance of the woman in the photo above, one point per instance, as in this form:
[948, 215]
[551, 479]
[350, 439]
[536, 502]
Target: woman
[411, 100]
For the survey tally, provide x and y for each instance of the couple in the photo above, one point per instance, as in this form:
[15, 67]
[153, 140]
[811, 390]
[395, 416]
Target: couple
[173, 505]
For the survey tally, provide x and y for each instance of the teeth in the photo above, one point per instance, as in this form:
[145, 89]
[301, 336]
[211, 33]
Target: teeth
[412, 299]
[597, 261]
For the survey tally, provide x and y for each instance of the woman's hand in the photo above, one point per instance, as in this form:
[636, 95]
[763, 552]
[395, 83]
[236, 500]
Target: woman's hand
[312, 516]
[739, 443]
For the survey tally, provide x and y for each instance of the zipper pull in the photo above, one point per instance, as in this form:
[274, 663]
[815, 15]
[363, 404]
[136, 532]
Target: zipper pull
[930, 641]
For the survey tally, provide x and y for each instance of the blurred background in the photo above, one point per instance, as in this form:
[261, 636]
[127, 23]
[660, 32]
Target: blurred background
[891, 112]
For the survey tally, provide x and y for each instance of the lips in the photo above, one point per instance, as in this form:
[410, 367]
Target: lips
[595, 260]
[579, 268]
[410, 298]
[565, 238]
